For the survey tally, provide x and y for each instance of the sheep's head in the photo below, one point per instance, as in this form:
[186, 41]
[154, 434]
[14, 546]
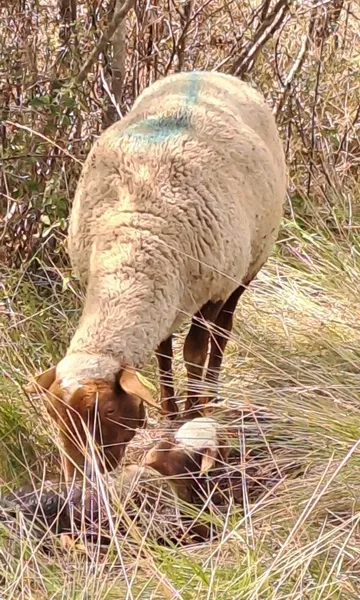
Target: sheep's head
[194, 449]
[111, 408]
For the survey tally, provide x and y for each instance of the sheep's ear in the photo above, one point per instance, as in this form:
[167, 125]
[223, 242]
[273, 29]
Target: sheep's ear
[207, 460]
[131, 384]
[151, 457]
[44, 380]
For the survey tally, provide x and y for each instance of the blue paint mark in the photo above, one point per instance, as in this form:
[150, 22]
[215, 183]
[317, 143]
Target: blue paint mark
[154, 129]
[193, 90]
[159, 129]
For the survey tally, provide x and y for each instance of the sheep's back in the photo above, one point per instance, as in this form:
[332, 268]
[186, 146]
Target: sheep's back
[197, 167]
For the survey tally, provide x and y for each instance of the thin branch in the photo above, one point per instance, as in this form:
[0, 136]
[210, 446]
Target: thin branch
[347, 129]
[185, 22]
[68, 12]
[238, 45]
[119, 56]
[265, 9]
[313, 117]
[299, 61]
[264, 32]
[119, 16]
[43, 137]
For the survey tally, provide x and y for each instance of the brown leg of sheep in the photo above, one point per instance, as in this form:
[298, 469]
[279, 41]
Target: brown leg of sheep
[219, 339]
[164, 355]
[195, 353]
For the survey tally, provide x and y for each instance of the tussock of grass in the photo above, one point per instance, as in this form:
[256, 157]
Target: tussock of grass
[289, 391]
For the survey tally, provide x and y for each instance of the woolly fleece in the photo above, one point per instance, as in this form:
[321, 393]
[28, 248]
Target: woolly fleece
[178, 203]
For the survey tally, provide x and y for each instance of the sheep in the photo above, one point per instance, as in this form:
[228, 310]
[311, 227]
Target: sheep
[190, 452]
[200, 463]
[176, 210]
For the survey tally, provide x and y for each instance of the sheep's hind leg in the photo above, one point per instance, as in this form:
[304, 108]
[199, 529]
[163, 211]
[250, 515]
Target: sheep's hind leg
[195, 353]
[219, 339]
[164, 355]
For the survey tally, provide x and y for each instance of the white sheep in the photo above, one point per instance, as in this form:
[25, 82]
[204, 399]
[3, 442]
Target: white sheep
[177, 208]
[187, 454]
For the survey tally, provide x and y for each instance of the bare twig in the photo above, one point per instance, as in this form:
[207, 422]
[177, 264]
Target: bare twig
[299, 61]
[67, 10]
[119, 55]
[344, 137]
[265, 9]
[119, 16]
[185, 22]
[264, 32]
[43, 137]
[313, 116]
[262, 9]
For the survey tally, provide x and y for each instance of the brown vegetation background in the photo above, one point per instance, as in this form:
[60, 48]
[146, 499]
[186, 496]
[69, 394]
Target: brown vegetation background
[70, 67]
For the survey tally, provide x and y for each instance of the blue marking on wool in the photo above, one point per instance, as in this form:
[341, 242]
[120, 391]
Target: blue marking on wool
[153, 130]
[193, 90]
[159, 129]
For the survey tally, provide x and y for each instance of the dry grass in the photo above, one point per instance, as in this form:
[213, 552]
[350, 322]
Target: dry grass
[289, 390]
[290, 384]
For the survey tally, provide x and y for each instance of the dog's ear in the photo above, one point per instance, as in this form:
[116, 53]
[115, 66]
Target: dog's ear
[43, 381]
[131, 384]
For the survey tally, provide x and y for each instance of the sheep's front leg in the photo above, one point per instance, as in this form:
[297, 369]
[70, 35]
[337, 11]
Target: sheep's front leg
[195, 353]
[220, 338]
[164, 355]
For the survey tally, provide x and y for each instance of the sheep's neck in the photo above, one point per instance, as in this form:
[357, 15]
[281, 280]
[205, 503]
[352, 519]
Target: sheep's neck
[126, 322]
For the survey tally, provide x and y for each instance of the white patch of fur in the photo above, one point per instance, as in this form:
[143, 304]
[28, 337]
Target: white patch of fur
[74, 369]
[70, 384]
[198, 433]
